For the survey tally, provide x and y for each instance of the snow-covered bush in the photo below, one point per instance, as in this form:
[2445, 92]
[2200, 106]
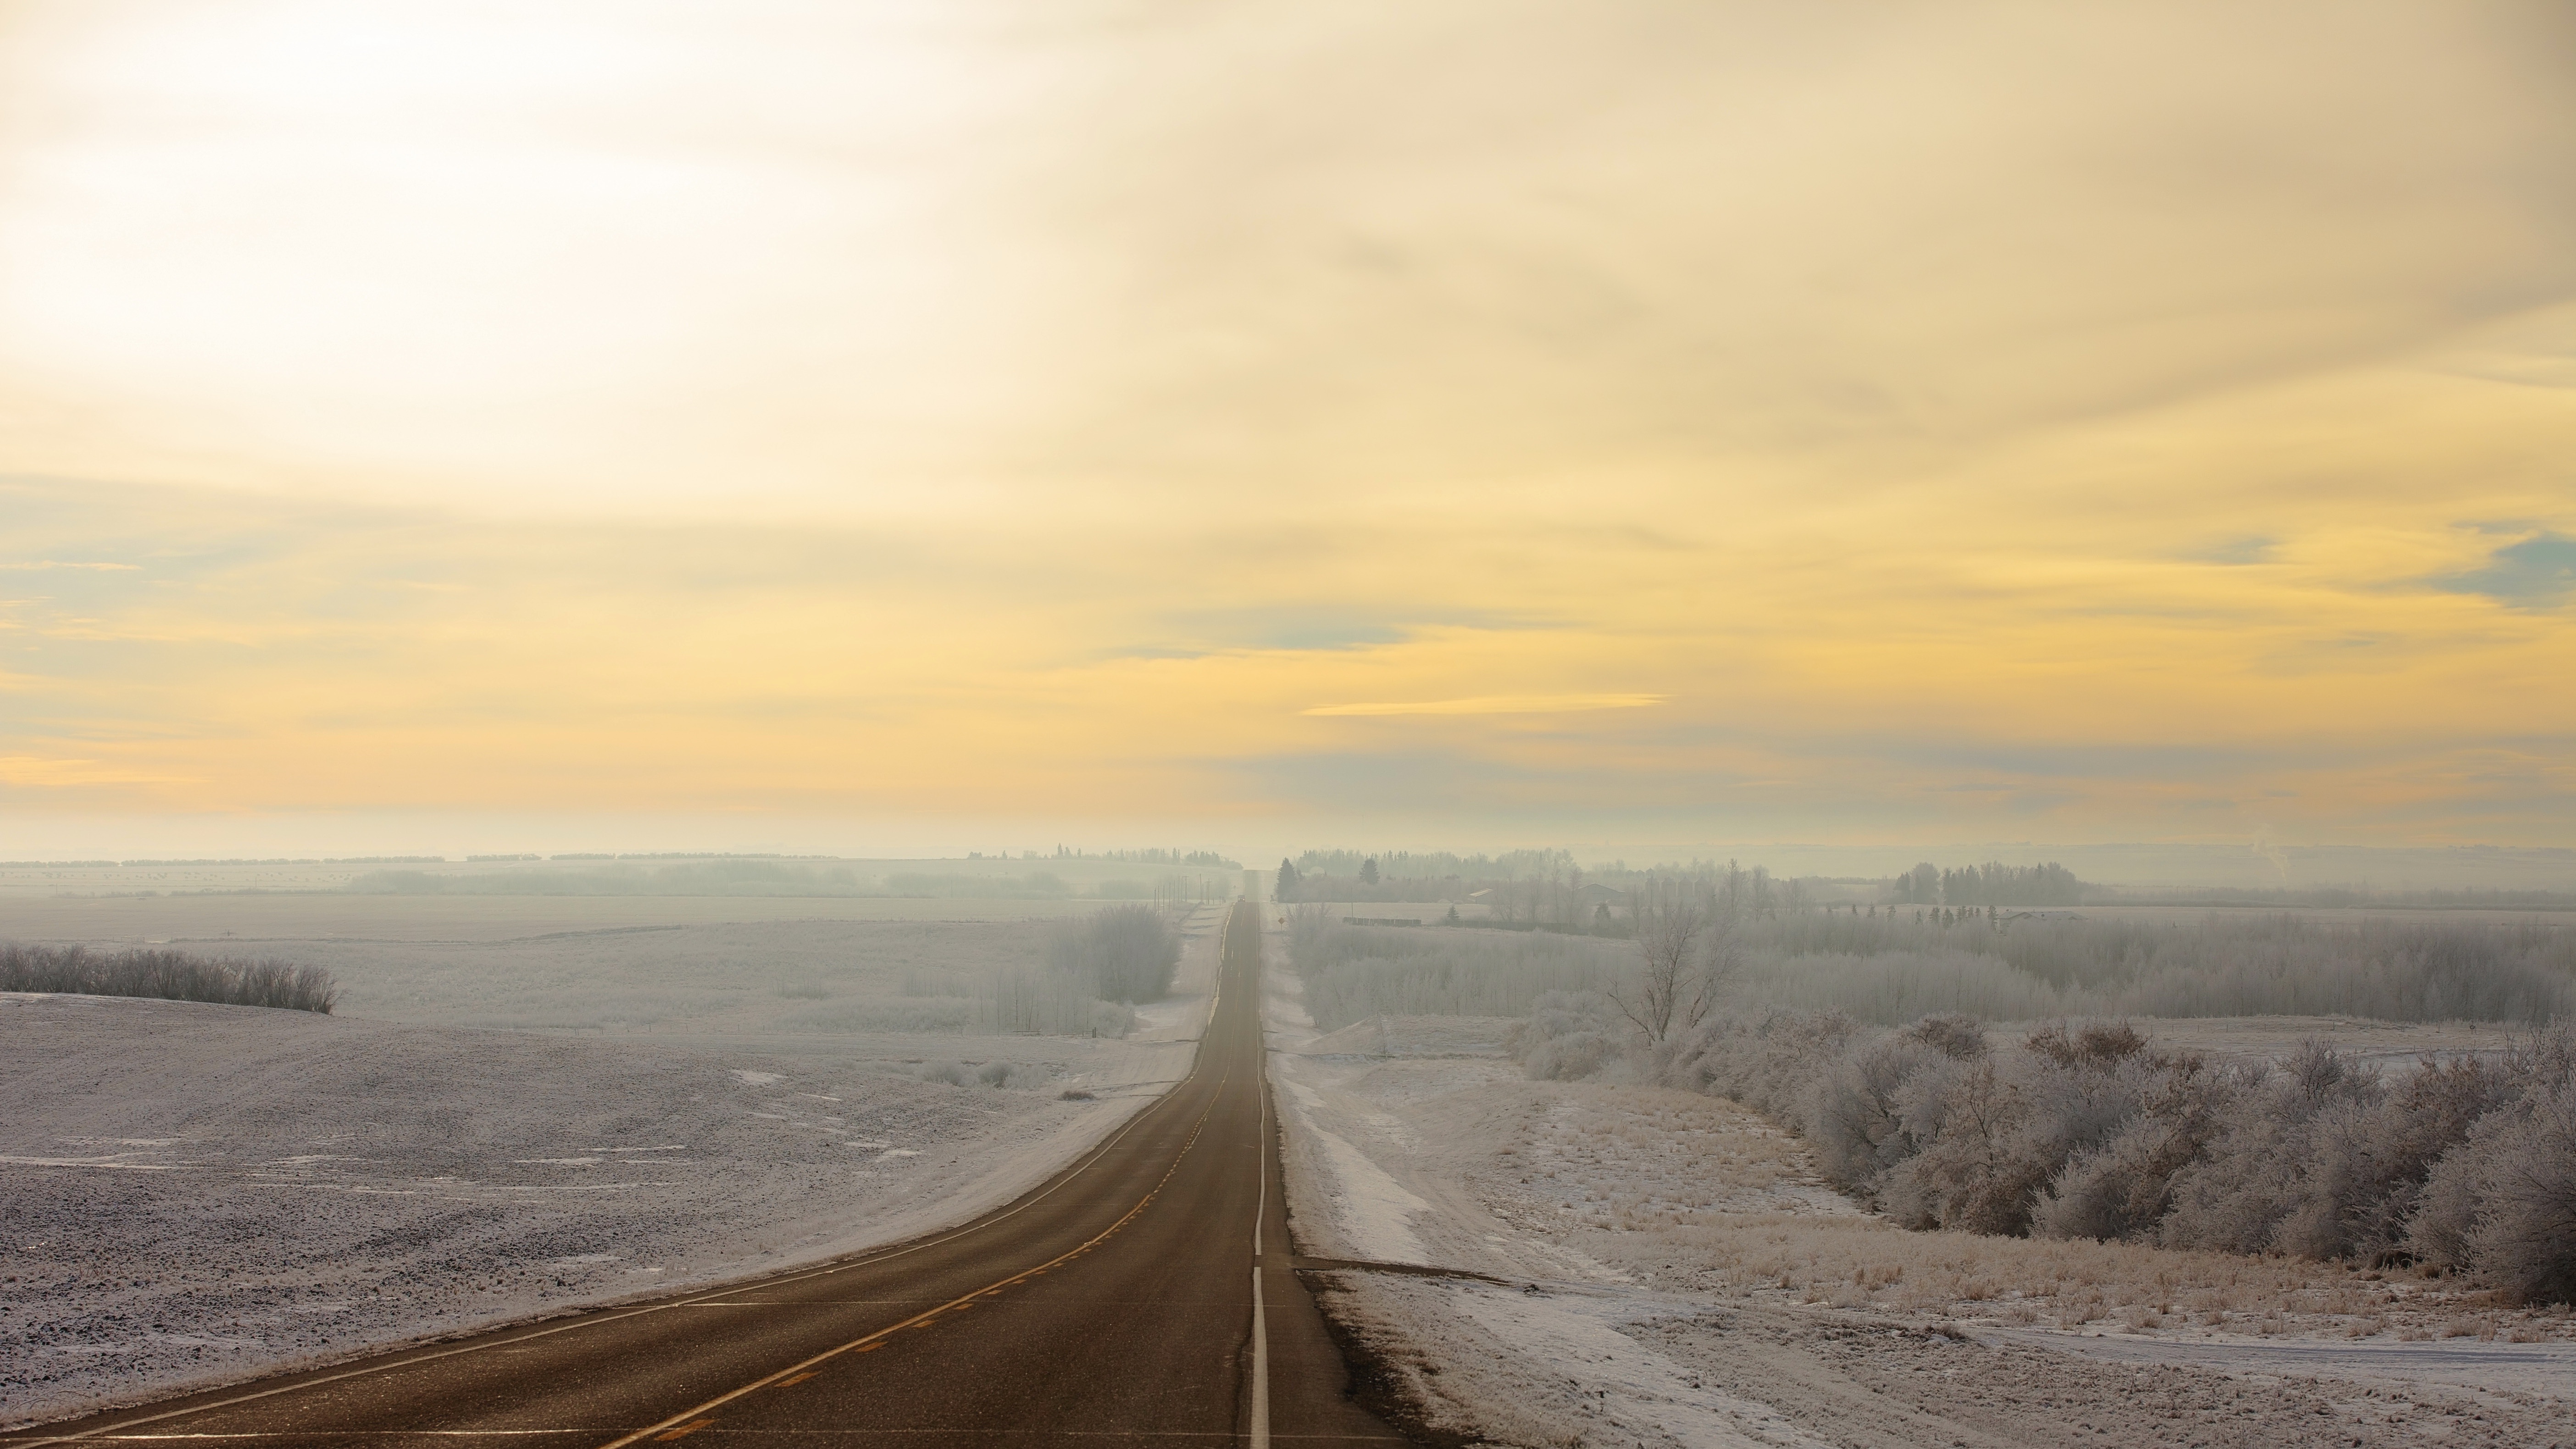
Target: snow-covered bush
[2122, 1188]
[1855, 1114]
[2502, 1203]
[2091, 1131]
[1570, 1035]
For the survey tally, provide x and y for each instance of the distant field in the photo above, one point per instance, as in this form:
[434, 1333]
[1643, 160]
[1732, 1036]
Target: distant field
[840, 974]
[2319, 913]
[282, 919]
[1433, 912]
[814, 979]
[726, 876]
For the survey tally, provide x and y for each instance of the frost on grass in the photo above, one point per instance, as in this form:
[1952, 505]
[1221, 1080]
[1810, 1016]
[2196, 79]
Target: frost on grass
[194, 1193]
[1692, 1279]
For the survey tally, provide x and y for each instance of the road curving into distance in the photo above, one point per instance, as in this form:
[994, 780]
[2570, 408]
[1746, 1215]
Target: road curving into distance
[1142, 1292]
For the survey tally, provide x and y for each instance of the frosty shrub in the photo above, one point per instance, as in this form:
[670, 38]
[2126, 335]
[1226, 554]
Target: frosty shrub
[2089, 1130]
[1856, 1114]
[1570, 1035]
[1011, 1074]
[1994, 1132]
[2296, 1165]
[2502, 1202]
[955, 1074]
[1769, 1064]
[170, 975]
[1975, 1170]
[1951, 1033]
[2122, 1188]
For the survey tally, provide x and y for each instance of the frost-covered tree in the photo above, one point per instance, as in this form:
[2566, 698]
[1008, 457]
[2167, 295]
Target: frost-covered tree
[1685, 959]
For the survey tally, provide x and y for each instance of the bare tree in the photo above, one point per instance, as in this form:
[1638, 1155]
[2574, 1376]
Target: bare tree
[1687, 957]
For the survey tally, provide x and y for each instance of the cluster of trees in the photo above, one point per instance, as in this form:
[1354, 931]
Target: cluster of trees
[1352, 973]
[1890, 968]
[169, 975]
[1398, 875]
[1177, 895]
[745, 876]
[1097, 968]
[2095, 1132]
[1548, 887]
[1120, 953]
[1991, 884]
[1433, 865]
[1206, 858]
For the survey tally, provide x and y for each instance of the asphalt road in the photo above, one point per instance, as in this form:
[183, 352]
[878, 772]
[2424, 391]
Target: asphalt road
[1118, 1300]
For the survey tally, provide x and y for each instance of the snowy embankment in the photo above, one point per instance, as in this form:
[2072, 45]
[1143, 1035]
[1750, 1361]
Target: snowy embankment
[1676, 1275]
[193, 1194]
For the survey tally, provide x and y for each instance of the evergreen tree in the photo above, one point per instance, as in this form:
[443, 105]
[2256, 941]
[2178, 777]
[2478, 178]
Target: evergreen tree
[1287, 880]
[1368, 871]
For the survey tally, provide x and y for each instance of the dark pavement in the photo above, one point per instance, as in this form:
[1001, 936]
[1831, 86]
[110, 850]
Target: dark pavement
[1114, 1301]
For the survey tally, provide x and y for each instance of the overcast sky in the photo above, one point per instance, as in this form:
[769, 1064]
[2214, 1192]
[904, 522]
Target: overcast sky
[1837, 422]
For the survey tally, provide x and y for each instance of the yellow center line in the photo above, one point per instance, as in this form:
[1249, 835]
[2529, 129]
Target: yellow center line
[923, 1320]
[867, 1258]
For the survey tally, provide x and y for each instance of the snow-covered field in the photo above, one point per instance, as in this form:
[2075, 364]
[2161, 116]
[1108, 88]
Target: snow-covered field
[1676, 1274]
[193, 1193]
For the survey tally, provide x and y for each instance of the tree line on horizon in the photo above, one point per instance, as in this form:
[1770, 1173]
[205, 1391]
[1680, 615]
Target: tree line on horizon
[1548, 889]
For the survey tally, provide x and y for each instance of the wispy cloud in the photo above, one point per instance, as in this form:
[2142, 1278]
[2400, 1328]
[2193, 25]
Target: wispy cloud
[32, 771]
[2536, 572]
[1496, 704]
[2071, 413]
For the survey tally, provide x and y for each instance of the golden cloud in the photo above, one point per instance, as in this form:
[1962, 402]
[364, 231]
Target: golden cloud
[1496, 704]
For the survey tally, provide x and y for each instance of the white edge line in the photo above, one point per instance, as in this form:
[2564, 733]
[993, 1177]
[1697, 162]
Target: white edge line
[1261, 1208]
[1260, 1368]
